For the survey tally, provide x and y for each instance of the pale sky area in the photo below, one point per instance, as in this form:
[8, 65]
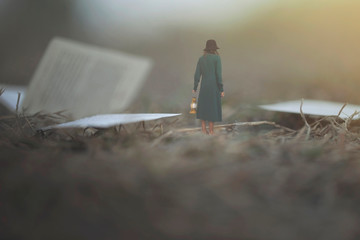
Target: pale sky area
[155, 14]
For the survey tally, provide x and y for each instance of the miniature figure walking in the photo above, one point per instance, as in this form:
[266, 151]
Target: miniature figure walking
[211, 89]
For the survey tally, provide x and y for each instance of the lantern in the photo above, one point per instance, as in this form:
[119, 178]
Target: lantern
[193, 105]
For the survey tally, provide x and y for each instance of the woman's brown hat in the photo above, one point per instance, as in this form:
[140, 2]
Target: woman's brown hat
[211, 45]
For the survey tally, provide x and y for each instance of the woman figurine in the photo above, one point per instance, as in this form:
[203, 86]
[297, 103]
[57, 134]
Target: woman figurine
[211, 89]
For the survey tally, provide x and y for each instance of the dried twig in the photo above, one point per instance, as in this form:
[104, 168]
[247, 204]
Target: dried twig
[30, 125]
[238, 124]
[299, 134]
[304, 118]
[341, 109]
[348, 120]
[159, 139]
[17, 103]
[160, 126]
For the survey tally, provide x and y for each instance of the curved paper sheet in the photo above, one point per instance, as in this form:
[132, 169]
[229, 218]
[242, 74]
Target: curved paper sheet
[109, 120]
[314, 107]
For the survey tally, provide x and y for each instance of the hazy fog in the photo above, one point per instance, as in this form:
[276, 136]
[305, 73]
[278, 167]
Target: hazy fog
[271, 49]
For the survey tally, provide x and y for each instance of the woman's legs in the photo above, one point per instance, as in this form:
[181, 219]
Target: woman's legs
[203, 127]
[211, 127]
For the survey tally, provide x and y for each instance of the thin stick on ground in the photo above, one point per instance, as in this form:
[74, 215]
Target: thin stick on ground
[159, 139]
[341, 109]
[17, 103]
[30, 125]
[304, 118]
[237, 124]
[348, 120]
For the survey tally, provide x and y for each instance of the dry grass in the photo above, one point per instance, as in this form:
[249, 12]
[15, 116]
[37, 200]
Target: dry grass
[159, 182]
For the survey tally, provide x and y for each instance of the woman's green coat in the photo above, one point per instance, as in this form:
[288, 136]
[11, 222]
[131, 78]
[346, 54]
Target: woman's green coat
[209, 101]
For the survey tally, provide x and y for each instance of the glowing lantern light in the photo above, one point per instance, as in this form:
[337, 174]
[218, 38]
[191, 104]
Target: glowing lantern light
[193, 105]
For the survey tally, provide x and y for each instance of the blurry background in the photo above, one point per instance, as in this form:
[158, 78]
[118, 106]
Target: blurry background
[271, 50]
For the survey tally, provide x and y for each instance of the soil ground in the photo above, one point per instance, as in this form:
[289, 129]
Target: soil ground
[159, 182]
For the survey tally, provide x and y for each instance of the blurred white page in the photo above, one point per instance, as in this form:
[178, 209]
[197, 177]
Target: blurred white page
[314, 107]
[10, 96]
[84, 80]
[109, 120]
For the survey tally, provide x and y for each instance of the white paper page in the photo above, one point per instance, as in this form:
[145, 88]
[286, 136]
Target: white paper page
[85, 80]
[109, 120]
[314, 107]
